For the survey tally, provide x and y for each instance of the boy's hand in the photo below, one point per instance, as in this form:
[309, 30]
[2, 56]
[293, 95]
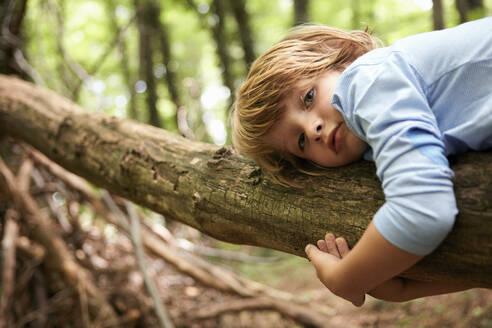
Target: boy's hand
[330, 252]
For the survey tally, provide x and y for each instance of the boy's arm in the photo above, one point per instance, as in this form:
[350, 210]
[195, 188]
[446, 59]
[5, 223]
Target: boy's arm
[327, 261]
[371, 262]
[401, 289]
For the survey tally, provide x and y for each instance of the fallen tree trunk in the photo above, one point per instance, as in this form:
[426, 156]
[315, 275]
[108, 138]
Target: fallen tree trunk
[225, 195]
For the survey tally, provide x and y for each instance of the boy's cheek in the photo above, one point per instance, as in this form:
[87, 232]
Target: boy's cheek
[357, 146]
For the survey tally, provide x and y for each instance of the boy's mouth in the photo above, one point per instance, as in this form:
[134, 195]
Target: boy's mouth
[334, 139]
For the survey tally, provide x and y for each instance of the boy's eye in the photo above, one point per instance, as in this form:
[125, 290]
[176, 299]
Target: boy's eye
[308, 98]
[300, 142]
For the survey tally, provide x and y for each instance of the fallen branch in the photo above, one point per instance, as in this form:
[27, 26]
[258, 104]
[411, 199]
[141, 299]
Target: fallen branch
[220, 253]
[302, 315]
[58, 256]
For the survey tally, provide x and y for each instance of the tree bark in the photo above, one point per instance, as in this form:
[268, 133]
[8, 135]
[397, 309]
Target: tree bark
[225, 195]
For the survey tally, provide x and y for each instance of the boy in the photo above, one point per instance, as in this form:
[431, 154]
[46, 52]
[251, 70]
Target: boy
[328, 97]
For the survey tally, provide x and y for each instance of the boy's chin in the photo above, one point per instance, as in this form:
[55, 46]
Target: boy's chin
[342, 162]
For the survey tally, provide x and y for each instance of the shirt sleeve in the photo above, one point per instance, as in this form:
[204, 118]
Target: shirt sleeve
[384, 103]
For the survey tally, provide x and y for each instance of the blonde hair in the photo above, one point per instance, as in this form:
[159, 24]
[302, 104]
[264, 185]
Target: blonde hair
[306, 52]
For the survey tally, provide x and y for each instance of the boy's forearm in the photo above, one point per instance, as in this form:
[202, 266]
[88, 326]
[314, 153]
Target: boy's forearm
[372, 262]
[401, 289]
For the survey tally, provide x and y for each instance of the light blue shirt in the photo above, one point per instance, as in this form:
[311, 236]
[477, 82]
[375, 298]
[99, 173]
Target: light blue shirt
[423, 98]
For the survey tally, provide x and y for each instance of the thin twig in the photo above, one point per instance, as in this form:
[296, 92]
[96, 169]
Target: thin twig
[40, 298]
[84, 306]
[8, 266]
[300, 314]
[115, 210]
[135, 236]
[161, 311]
[24, 174]
[221, 253]
[200, 249]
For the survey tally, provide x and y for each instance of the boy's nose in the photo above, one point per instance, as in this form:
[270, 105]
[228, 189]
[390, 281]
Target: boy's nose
[316, 131]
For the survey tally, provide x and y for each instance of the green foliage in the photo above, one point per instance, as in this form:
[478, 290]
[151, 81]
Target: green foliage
[86, 34]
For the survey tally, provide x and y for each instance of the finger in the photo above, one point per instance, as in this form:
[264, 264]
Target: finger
[309, 250]
[330, 245]
[322, 246]
[342, 246]
[314, 254]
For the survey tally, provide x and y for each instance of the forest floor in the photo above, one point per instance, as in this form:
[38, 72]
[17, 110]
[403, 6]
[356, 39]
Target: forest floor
[183, 295]
[468, 309]
[472, 308]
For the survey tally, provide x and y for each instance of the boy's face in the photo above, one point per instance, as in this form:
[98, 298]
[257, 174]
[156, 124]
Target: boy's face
[311, 128]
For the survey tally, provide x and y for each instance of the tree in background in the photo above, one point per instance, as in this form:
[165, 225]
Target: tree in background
[245, 34]
[437, 15]
[145, 14]
[470, 9]
[301, 14]
[122, 47]
[12, 60]
[219, 36]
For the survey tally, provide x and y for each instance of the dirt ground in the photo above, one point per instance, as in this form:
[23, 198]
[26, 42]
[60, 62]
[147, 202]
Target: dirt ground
[472, 308]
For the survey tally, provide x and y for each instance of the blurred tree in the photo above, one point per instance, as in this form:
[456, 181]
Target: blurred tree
[12, 60]
[145, 11]
[179, 117]
[245, 33]
[363, 14]
[72, 73]
[356, 14]
[129, 79]
[437, 14]
[301, 14]
[470, 9]
[214, 21]
[218, 32]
